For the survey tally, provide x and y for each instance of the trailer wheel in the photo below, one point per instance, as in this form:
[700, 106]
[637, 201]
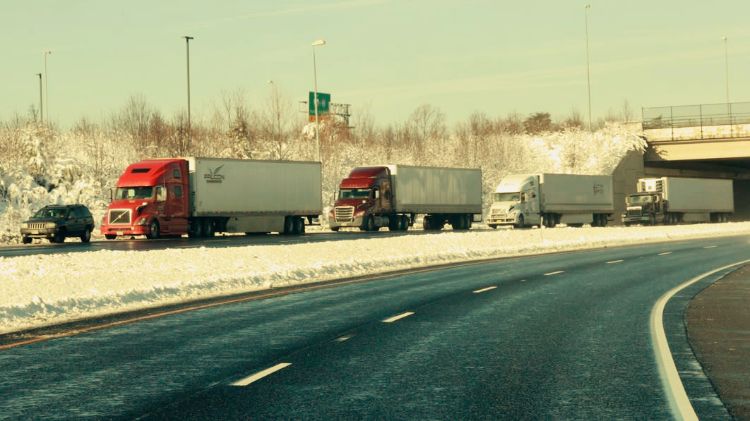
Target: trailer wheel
[208, 228]
[394, 223]
[298, 226]
[403, 223]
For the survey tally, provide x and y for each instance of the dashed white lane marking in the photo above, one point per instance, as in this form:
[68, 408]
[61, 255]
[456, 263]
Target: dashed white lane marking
[344, 338]
[665, 253]
[557, 272]
[398, 317]
[670, 377]
[479, 291]
[259, 375]
[615, 261]
[710, 247]
[522, 280]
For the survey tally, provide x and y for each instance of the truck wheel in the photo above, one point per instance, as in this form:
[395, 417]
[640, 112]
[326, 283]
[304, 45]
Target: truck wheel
[521, 223]
[426, 225]
[86, 236]
[370, 224]
[208, 228]
[110, 236]
[652, 220]
[394, 223]
[493, 226]
[403, 223]
[335, 229]
[153, 230]
[288, 225]
[26, 240]
[299, 225]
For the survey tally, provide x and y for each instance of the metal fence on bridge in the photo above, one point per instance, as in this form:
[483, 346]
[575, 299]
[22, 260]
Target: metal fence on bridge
[700, 117]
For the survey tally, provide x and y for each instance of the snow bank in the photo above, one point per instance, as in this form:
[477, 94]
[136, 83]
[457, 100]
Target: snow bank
[40, 290]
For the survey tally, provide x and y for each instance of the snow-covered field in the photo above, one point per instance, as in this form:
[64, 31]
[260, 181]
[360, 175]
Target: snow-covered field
[41, 290]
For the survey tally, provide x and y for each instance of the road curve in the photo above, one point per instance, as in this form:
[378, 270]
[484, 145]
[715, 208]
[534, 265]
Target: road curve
[553, 336]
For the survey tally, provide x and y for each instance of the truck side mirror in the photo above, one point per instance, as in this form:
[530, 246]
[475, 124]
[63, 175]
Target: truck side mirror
[377, 194]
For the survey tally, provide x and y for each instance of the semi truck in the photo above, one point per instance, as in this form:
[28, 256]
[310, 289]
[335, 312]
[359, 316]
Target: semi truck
[549, 199]
[673, 200]
[204, 196]
[394, 195]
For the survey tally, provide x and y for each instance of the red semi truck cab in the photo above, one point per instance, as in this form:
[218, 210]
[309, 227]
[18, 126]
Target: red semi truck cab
[365, 193]
[151, 199]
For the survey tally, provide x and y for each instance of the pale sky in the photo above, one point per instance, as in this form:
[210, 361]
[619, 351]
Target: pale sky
[385, 56]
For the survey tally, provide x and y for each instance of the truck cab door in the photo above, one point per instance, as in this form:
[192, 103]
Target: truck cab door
[386, 196]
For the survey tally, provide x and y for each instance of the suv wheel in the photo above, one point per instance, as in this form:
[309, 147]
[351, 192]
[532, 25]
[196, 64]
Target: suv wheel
[59, 237]
[86, 236]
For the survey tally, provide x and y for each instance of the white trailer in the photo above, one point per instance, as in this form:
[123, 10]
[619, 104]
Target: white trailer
[424, 190]
[550, 199]
[671, 200]
[241, 195]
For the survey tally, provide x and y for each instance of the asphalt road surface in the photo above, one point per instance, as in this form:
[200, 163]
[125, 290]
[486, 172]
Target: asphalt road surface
[553, 336]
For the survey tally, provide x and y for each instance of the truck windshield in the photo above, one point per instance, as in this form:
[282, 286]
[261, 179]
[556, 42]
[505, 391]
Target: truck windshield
[636, 200]
[507, 197]
[134, 192]
[354, 193]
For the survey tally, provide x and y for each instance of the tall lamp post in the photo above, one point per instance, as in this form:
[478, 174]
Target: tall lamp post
[41, 104]
[726, 65]
[317, 43]
[189, 129]
[588, 65]
[46, 85]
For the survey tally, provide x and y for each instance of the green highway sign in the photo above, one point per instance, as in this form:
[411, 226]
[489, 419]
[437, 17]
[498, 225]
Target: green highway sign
[324, 103]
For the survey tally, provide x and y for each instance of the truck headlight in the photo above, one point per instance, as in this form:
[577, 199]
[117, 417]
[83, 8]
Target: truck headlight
[50, 225]
[359, 212]
[142, 221]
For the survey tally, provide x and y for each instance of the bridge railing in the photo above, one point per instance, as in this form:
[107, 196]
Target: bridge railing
[704, 121]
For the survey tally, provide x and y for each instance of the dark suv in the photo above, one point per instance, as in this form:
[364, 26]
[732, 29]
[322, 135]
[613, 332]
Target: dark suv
[55, 222]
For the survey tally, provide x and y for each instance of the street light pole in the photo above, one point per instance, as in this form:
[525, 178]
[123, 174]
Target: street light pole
[41, 104]
[317, 43]
[588, 65]
[189, 129]
[46, 85]
[726, 65]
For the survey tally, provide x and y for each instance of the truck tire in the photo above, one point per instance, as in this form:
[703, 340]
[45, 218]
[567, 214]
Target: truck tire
[370, 224]
[110, 236]
[288, 226]
[298, 226]
[153, 230]
[403, 223]
[426, 223]
[208, 228]
[26, 240]
[394, 223]
[335, 229]
[521, 223]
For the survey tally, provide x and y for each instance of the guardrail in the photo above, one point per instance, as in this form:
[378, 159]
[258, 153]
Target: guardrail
[705, 120]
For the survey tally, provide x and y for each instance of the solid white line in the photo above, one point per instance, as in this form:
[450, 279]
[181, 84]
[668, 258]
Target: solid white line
[615, 261]
[710, 247]
[479, 291]
[522, 280]
[398, 317]
[673, 387]
[665, 253]
[554, 273]
[259, 375]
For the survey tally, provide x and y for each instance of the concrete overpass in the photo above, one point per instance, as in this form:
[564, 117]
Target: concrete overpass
[701, 141]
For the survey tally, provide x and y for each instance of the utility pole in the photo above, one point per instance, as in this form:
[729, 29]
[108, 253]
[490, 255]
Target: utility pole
[46, 84]
[41, 104]
[189, 129]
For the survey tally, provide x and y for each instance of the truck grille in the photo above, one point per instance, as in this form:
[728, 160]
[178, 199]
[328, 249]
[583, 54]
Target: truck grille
[498, 212]
[633, 212]
[344, 213]
[119, 216]
[37, 225]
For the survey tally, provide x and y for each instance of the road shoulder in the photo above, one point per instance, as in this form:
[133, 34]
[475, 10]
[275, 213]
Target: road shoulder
[717, 321]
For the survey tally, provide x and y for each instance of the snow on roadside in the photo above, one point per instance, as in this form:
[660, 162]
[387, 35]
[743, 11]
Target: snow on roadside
[41, 290]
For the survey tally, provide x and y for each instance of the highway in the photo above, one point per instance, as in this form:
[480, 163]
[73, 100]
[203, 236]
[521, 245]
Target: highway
[73, 245]
[553, 336]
